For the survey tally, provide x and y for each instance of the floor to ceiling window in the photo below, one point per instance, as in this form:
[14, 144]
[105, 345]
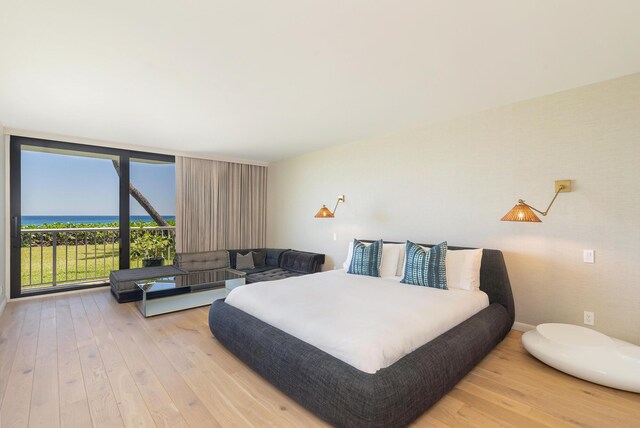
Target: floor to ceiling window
[78, 212]
[152, 202]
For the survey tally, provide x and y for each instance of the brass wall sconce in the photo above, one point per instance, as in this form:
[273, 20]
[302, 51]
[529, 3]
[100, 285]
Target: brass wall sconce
[523, 211]
[324, 211]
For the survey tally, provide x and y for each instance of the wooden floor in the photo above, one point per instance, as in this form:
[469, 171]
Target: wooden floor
[81, 360]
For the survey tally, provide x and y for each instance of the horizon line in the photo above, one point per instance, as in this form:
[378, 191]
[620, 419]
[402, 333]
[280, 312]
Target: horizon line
[89, 215]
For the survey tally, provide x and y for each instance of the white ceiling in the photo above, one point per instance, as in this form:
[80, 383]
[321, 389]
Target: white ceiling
[266, 80]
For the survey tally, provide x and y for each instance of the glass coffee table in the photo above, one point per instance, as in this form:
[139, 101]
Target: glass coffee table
[175, 293]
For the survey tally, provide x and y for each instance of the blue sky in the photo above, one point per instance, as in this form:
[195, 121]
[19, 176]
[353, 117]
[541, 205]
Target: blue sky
[54, 184]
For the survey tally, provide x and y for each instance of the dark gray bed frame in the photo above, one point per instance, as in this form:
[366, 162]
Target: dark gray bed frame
[394, 396]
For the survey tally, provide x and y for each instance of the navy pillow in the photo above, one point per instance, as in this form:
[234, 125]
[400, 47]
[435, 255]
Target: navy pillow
[426, 267]
[366, 258]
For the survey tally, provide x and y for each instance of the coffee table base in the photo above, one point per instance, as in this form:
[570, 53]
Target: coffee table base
[163, 305]
[171, 299]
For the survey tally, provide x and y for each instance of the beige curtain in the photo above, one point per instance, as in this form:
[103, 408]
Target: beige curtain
[220, 205]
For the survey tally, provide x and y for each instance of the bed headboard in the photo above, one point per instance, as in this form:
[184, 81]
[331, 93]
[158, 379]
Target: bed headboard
[494, 279]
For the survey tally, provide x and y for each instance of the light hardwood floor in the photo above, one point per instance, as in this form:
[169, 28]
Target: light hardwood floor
[81, 360]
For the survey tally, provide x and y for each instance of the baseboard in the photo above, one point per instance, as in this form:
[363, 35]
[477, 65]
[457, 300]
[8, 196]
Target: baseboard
[520, 326]
[3, 303]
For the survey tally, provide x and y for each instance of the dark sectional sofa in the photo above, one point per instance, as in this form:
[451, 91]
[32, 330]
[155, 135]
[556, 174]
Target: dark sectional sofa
[279, 263]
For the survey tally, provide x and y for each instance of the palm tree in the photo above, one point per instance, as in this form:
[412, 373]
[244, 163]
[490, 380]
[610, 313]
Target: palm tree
[144, 202]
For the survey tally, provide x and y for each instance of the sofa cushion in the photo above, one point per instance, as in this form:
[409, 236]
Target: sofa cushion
[204, 260]
[301, 261]
[274, 255]
[123, 282]
[271, 275]
[257, 270]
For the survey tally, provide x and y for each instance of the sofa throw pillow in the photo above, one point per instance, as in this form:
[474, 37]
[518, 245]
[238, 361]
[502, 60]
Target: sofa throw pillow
[245, 261]
[259, 258]
[426, 266]
[366, 258]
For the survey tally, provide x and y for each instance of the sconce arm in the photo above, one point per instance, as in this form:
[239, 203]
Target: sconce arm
[340, 199]
[560, 188]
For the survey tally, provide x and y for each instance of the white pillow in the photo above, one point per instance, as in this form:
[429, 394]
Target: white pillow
[463, 269]
[389, 262]
[347, 262]
[402, 248]
[402, 262]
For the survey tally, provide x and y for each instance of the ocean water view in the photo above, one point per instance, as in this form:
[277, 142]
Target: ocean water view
[38, 220]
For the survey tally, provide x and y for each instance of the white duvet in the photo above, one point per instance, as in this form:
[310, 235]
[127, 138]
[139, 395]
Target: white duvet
[369, 323]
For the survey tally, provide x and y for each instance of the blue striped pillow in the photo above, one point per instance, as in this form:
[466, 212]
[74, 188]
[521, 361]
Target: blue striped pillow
[426, 267]
[366, 258]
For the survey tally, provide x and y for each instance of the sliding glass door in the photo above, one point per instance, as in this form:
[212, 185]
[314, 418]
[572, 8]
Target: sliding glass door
[152, 202]
[70, 212]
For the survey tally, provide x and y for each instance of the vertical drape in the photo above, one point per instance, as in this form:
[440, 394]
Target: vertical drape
[219, 205]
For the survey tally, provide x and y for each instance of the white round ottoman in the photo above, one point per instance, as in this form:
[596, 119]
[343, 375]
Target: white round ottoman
[586, 354]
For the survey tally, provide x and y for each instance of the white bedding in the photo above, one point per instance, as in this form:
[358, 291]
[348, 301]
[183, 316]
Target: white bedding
[369, 323]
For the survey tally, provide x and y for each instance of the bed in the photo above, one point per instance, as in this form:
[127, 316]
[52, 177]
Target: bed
[363, 393]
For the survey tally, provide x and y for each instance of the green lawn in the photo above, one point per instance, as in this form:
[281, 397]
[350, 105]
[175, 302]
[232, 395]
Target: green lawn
[94, 262]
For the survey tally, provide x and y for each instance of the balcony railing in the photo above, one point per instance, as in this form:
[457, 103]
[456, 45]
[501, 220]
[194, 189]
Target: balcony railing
[52, 257]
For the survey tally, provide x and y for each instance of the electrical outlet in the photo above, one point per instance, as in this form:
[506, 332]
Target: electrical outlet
[589, 318]
[335, 236]
[588, 256]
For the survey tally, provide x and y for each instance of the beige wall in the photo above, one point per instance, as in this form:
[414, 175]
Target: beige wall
[454, 180]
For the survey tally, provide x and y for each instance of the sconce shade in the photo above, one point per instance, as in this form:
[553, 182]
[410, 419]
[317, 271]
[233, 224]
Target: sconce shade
[525, 212]
[521, 212]
[324, 213]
